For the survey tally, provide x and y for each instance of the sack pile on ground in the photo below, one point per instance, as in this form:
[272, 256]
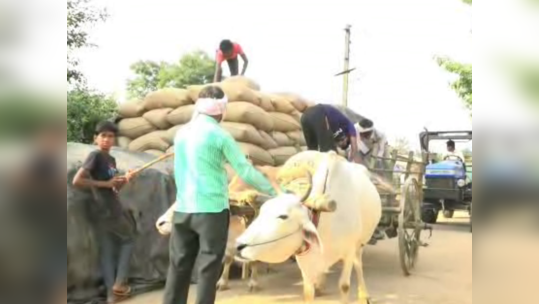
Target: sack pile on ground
[267, 126]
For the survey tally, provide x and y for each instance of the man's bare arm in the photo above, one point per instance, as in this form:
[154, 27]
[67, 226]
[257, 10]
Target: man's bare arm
[354, 150]
[218, 73]
[81, 180]
[245, 63]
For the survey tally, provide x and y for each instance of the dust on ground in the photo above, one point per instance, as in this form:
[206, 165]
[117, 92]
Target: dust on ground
[443, 275]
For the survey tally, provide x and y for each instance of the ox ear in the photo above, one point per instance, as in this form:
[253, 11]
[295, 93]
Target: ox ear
[311, 235]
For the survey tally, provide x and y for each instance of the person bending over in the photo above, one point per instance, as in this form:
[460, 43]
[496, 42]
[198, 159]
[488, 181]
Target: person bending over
[229, 51]
[325, 128]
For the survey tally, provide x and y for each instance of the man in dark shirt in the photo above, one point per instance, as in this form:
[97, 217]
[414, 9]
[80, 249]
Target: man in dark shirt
[325, 128]
[100, 174]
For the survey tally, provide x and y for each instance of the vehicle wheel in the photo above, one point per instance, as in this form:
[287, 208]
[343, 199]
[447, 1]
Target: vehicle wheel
[410, 225]
[429, 215]
[448, 214]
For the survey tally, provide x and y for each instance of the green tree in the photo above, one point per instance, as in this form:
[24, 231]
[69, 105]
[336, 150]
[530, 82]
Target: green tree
[86, 108]
[146, 80]
[402, 145]
[80, 16]
[463, 85]
[193, 68]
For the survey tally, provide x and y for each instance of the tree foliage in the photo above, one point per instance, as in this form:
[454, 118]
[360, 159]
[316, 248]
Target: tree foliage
[86, 108]
[402, 146]
[147, 79]
[80, 16]
[463, 85]
[193, 68]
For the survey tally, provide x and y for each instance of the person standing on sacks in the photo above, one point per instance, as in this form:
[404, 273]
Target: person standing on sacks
[201, 220]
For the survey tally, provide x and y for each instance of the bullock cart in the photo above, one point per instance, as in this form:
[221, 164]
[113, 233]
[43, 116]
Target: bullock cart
[401, 192]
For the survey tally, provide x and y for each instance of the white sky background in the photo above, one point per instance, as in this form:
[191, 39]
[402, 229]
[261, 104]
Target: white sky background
[298, 46]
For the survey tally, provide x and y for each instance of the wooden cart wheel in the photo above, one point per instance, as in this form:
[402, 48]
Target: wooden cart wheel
[410, 225]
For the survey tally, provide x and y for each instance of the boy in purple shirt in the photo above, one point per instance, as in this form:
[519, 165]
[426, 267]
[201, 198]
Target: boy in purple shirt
[325, 128]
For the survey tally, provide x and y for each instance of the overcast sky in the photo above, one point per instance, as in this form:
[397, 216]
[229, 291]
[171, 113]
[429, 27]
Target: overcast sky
[298, 46]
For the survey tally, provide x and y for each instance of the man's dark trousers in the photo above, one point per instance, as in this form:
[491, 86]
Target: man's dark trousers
[234, 66]
[316, 131]
[204, 235]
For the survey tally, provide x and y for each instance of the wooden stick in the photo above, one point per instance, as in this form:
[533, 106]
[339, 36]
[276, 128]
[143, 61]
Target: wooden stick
[153, 162]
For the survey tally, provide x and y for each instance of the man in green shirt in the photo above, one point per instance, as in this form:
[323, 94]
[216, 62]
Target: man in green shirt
[202, 216]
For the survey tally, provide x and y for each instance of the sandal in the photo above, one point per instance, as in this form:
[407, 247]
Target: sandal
[124, 291]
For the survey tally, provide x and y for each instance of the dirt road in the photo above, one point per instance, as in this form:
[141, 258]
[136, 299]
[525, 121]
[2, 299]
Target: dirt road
[443, 276]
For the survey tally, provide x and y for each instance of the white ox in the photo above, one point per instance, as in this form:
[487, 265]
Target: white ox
[284, 227]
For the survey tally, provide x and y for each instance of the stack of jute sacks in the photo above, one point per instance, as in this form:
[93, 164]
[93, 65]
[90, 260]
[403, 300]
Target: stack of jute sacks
[266, 126]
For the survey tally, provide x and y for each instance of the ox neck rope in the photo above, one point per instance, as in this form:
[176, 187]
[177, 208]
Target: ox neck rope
[314, 216]
[306, 246]
[277, 240]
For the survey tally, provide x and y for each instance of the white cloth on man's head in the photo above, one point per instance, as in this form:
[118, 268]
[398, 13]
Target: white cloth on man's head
[210, 107]
[376, 144]
[360, 129]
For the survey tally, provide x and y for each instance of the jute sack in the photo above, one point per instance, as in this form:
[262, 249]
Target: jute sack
[155, 152]
[282, 104]
[233, 91]
[265, 102]
[269, 142]
[158, 118]
[171, 133]
[297, 137]
[167, 98]
[135, 127]
[298, 102]
[131, 109]
[123, 142]
[245, 112]
[181, 115]
[258, 155]
[284, 123]
[282, 139]
[297, 116]
[243, 81]
[310, 104]
[152, 141]
[243, 133]
[281, 155]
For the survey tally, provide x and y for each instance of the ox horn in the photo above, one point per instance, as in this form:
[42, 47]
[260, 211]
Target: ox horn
[310, 188]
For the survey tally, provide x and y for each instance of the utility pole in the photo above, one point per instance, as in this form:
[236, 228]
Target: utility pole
[346, 65]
